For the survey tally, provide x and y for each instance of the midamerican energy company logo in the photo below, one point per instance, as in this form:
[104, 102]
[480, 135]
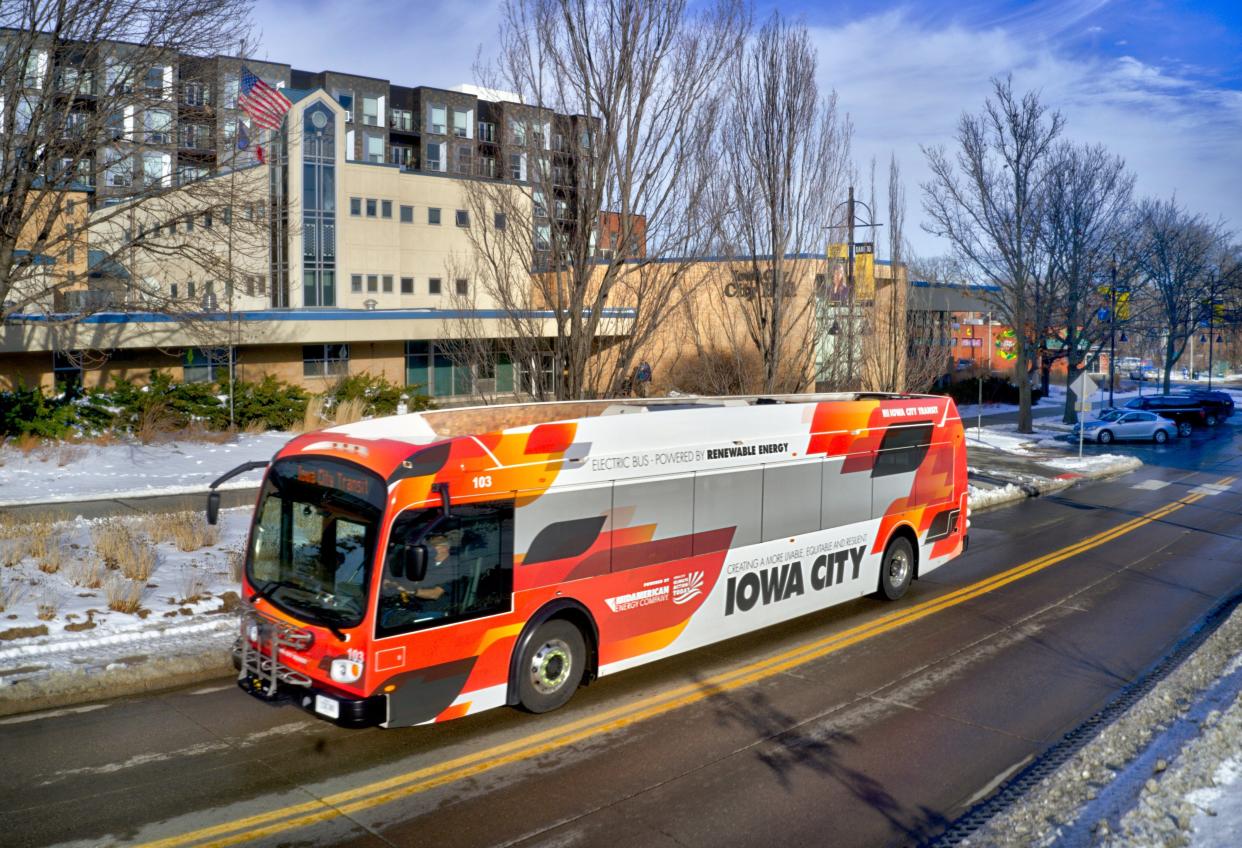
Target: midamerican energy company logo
[682, 589]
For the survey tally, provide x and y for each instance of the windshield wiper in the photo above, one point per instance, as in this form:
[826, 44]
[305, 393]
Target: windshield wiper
[266, 594]
[272, 585]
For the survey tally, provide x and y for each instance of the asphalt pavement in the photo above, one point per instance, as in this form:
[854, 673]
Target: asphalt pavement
[866, 724]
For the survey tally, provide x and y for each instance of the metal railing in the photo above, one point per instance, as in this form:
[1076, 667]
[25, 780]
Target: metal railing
[258, 650]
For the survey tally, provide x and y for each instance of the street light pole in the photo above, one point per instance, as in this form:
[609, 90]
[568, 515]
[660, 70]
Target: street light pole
[1112, 334]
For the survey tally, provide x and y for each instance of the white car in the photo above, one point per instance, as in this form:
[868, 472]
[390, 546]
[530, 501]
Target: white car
[1125, 424]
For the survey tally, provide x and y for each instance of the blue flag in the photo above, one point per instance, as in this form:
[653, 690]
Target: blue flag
[243, 137]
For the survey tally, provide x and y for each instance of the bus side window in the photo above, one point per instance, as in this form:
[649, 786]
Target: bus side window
[846, 497]
[666, 503]
[724, 499]
[791, 499]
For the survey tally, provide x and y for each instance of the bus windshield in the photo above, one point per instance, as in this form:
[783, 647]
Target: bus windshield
[314, 539]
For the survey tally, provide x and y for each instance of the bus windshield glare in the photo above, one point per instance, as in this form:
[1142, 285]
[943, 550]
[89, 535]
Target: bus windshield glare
[314, 539]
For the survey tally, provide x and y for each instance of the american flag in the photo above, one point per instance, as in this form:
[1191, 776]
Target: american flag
[265, 105]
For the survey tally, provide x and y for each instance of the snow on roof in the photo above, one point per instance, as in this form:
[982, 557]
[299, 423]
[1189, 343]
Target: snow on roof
[483, 93]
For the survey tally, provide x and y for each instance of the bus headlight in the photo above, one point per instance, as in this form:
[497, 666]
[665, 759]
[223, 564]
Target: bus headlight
[345, 670]
[252, 633]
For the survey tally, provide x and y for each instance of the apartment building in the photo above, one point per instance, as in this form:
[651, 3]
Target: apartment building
[360, 215]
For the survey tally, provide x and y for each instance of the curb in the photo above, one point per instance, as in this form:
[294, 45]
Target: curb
[79, 687]
[1048, 485]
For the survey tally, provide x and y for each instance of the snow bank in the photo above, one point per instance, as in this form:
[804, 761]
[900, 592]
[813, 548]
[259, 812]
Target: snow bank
[69, 472]
[981, 498]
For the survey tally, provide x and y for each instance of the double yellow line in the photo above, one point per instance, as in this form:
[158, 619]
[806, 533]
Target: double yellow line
[391, 789]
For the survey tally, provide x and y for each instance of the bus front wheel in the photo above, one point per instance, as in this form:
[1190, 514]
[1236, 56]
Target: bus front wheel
[551, 666]
[896, 569]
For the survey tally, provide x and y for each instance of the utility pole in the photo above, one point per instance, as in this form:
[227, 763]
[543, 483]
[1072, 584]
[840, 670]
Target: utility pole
[1112, 331]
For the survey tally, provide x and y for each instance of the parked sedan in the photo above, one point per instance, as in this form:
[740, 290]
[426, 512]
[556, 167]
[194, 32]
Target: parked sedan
[1125, 424]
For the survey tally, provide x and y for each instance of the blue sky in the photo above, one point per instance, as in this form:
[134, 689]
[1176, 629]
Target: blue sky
[1160, 83]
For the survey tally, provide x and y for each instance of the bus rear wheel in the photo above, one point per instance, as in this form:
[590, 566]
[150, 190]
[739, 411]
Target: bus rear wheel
[896, 569]
[551, 666]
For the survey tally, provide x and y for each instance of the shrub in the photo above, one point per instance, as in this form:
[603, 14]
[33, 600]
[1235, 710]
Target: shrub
[162, 405]
[10, 593]
[138, 561]
[269, 403]
[190, 531]
[87, 574]
[376, 395]
[31, 413]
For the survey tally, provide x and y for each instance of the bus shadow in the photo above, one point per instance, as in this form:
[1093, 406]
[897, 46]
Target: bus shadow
[786, 746]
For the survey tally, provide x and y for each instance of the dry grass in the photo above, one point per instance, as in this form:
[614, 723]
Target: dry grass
[256, 427]
[27, 443]
[104, 439]
[190, 531]
[193, 587]
[53, 557]
[86, 574]
[10, 593]
[69, 454]
[139, 561]
[47, 607]
[314, 418]
[123, 595]
[158, 526]
[113, 541]
[13, 551]
[154, 424]
[199, 432]
[349, 411]
[42, 536]
[237, 564]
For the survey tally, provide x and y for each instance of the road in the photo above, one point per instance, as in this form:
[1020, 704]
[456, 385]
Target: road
[867, 724]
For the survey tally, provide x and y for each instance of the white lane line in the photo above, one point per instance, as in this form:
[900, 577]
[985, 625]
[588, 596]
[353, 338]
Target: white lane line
[210, 689]
[21, 719]
[1150, 485]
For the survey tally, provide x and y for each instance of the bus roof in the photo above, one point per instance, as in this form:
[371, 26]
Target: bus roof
[437, 425]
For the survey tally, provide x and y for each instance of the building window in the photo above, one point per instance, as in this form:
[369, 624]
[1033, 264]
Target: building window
[67, 369]
[463, 287]
[158, 126]
[385, 208]
[437, 116]
[204, 365]
[401, 155]
[229, 100]
[355, 283]
[487, 166]
[500, 221]
[371, 111]
[372, 283]
[463, 217]
[346, 99]
[517, 166]
[193, 93]
[461, 123]
[435, 156]
[402, 119]
[388, 284]
[374, 148]
[189, 289]
[407, 214]
[371, 207]
[355, 206]
[465, 159]
[325, 360]
[487, 132]
[407, 285]
[433, 285]
[433, 215]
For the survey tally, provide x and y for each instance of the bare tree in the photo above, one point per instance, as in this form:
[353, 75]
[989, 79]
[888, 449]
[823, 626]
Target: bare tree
[85, 96]
[1177, 262]
[784, 155]
[610, 103]
[1086, 212]
[987, 200]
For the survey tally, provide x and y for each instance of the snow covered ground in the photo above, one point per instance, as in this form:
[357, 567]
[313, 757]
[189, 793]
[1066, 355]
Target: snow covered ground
[88, 595]
[69, 472]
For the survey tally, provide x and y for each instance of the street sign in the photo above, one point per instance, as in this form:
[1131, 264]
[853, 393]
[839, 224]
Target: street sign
[1084, 387]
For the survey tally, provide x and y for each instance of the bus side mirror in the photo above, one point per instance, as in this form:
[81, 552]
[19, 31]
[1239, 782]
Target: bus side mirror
[213, 507]
[410, 563]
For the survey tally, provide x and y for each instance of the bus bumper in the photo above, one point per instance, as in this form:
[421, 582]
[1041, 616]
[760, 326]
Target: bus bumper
[343, 712]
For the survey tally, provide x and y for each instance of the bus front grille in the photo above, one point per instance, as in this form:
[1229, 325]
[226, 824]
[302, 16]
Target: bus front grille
[258, 650]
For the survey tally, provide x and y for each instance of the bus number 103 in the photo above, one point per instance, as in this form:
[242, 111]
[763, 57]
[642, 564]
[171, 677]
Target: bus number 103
[483, 481]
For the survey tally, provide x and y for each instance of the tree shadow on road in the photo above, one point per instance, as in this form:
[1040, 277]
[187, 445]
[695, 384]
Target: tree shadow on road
[786, 746]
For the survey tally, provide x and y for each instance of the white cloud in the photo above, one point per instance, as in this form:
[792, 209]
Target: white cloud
[906, 84]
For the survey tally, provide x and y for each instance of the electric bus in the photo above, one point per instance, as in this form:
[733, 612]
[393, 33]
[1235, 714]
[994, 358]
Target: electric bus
[422, 567]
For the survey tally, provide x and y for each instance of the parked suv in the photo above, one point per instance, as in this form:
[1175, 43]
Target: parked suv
[1218, 405]
[1187, 411]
